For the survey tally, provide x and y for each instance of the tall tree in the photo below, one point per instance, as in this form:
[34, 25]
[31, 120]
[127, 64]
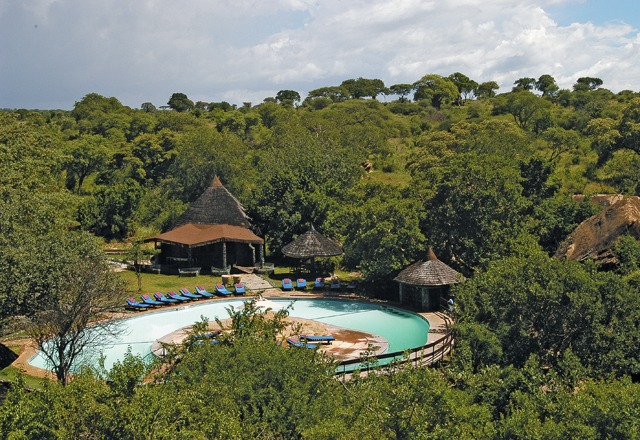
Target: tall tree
[435, 88]
[69, 317]
[487, 89]
[180, 103]
[524, 84]
[547, 85]
[288, 95]
[587, 84]
[86, 155]
[402, 90]
[466, 86]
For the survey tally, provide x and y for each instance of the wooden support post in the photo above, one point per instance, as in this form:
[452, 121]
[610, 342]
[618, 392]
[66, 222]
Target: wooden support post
[224, 255]
[261, 256]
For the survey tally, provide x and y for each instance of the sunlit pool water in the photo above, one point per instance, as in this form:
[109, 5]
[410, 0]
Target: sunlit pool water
[402, 329]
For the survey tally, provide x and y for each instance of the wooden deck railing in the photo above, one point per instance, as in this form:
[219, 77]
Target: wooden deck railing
[427, 354]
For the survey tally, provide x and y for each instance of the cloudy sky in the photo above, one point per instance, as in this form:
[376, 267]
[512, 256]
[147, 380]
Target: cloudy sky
[54, 52]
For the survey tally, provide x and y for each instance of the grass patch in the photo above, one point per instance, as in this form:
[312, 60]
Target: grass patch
[11, 373]
[152, 283]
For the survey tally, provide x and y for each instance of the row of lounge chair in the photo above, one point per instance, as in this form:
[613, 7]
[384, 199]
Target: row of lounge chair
[301, 284]
[183, 296]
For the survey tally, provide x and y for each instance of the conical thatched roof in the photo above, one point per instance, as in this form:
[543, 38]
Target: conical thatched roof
[432, 272]
[216, 206]
[311, 244]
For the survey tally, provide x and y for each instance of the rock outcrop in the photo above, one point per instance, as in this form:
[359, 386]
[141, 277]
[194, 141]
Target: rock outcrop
[595, 237]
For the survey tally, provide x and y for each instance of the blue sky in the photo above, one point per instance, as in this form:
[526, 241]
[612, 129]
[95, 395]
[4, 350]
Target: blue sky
[54, 52]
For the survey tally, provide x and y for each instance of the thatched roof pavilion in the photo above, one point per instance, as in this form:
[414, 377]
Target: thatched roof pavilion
[423, 283]
[311, 244]
[201, 235]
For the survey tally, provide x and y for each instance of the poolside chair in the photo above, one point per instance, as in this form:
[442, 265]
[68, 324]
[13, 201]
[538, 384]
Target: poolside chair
[301, 283]
[200, 342]
[174, 295]
[185, 292]
[352, 285]
[319, 283]
[286, 284]
[209, 335]
[133, 304]
[202, 291]
[335, 284]
[327, 338]
[240, 289]
[160, 297]
[223, 290]
[296, 343]
[147, 300]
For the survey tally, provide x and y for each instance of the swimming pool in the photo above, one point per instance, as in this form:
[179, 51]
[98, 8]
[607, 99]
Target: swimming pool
[402, 329]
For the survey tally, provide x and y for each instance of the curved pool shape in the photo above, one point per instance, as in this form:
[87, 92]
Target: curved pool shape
[402, 329]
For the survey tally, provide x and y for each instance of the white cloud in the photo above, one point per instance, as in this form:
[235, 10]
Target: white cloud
[237, 50]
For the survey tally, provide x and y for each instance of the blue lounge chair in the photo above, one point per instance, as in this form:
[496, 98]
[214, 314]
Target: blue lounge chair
[174, 295]
[223, 290]
[352, 285]
[185, 292]
[301, 283]
[213, 341]
[209, 335]
[335, 284]
[297, 343]
[160, 297]
[147, 300]
[133, 304]
[319, 283]
[327, 338]
[286, 284]
[240, 289]
[202, 291]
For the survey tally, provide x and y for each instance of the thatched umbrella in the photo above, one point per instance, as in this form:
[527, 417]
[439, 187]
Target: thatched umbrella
[311, 244]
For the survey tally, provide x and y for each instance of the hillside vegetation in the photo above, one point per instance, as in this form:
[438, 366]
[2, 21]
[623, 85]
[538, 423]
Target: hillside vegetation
[545, 348]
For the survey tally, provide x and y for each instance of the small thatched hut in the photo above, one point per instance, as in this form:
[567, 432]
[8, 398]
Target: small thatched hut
[311, 244]
[213, 231]
[423, 283]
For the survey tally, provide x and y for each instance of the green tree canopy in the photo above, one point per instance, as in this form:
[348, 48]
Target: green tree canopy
[435, 88]
[180, 103]
[289, 95]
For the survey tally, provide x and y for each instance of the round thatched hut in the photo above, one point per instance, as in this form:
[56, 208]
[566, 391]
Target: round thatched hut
[423, 283]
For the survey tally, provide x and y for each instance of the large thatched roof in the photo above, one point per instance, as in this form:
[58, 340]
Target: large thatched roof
[311, 244]
[432, 272]
[594, 237]
[216, 206]
[191, 235]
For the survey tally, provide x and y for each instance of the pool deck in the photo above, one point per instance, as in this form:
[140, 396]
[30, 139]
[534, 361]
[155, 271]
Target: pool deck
[348, 345]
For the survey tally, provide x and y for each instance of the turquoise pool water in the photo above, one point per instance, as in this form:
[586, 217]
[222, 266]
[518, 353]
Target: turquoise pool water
[402, 329]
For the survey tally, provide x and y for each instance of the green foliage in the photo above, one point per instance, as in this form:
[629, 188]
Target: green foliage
[525, 107]
[436, 89]
[543, 306]
[180, 103]
[475, 212]
[627, 252]
[380, 231]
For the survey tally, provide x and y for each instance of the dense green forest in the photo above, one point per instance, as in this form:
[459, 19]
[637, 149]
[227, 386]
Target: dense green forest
[545, 348]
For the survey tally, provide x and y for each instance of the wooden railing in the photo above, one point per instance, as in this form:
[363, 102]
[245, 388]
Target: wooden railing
[427, 354]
